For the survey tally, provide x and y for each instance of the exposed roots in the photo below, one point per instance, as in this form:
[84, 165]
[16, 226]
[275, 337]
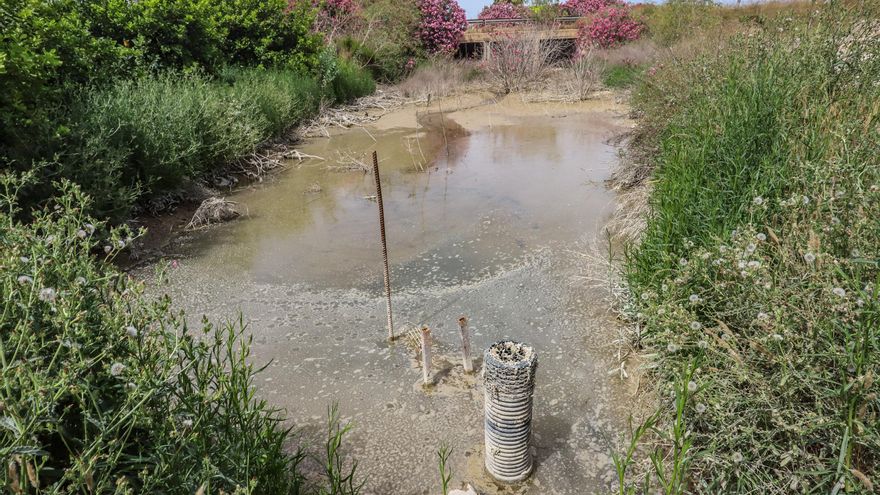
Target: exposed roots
[213, 210]
[357, 114]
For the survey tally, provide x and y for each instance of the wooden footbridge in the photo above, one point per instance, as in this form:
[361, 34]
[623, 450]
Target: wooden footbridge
[481, 33]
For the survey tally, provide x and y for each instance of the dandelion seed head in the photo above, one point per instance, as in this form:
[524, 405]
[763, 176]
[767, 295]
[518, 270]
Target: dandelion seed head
[672, 348]
[701, 408]
[694, 298]
[809, 257]
[131, 331]
[24, 279]
[80, 281]
[25, 259]
[107, 249]
[703, 344]
[47, 294]
[777, 337]
[90, 228]
[839, 292]
[737, 457]
[758, 201]
[116, 369]
[692, 386]
[751, 248]
[762, 316]
[120, 243]
[754, 264]
[81, 234]
[695, 325]
[682, 262]
[761, 236]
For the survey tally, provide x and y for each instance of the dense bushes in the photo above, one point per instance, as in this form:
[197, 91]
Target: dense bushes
[138, 138]
[756, 280]
[610, 26]
[129, 98]
[107, 391]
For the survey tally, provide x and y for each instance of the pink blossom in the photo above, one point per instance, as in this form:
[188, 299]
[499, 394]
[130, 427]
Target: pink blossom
[504, 11]
[611, 26]
[587, 7]
[443, 23]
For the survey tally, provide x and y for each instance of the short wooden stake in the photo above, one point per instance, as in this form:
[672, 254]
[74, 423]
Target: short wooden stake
[426, 355]
[465, 345]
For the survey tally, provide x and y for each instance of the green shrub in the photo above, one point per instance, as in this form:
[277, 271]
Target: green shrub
[757, 273]
[268, 33]
[137, 139]
[107, 391]
[678, 19]
[351, 82]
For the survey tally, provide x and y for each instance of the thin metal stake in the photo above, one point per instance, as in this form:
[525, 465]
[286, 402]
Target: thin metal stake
[384, 243]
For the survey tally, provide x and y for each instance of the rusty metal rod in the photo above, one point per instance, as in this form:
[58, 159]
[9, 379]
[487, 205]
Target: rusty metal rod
[387, 273]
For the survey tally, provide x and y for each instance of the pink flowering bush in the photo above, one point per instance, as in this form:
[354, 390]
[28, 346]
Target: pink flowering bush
[612, 25]
[443, 23]
[587, 7]
[336, 16]
[504, 10]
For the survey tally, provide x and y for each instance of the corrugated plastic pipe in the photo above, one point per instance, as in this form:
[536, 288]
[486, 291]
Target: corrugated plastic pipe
[509, 376]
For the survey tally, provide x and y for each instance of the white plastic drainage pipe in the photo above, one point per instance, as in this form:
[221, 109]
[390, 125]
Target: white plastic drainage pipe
[509, 376]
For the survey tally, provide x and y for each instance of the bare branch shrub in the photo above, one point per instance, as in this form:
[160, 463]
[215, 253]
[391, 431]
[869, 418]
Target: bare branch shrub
[584, 72]
[519, 58]
[440, 77]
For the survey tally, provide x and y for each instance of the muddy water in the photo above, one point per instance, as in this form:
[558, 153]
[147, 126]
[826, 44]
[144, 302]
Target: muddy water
[488, 210]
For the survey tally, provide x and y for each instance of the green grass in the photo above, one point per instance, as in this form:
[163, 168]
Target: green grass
[106, 390]
[622, 76]
[758, 271]
[138, 139]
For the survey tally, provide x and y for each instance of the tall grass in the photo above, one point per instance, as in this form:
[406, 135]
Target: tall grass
[142, 138]
[758, 271]
[103, 390]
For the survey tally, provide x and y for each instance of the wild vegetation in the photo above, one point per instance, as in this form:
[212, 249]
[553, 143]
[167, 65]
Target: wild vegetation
[754, 283]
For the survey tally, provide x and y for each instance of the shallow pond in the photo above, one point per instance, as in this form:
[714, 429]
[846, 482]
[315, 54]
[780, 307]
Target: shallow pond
[489, 210]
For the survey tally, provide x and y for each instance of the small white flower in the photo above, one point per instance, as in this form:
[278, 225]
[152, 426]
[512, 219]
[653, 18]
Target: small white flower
[120, 243]
[860, 302]
[758, 201]
[751, 248]
[777, 337]
[131, 331]
[107, 249]
[809, 257]
[683, 262]
[24, 279]
[761, 236]
[47, 294]
[25, 259]
[839, 292]
[692, 386]
[694, 299]
[703, 344]
[645, 296]
[701, 408]
[695, 325]
[187, 423]
[116, 369]
[90, 228]
[672, 348]
[737, 457]
[805, 200]
[81, 234]
[661, 311]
